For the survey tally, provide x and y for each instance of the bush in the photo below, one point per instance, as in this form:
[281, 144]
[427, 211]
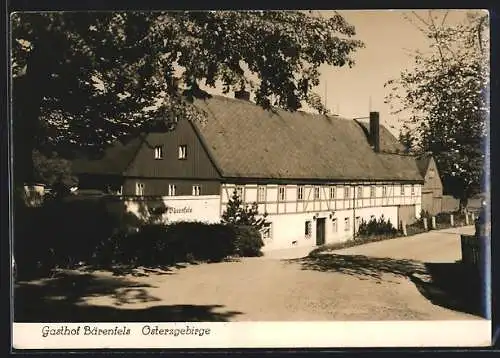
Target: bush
[61, 233]
[248, 241]
[375, 227]
[416, 228]
[163, 245]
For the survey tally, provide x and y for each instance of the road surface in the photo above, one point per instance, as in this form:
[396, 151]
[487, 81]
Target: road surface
[378, 281]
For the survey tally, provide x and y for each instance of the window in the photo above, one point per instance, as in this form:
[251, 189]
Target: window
[182, 151]
[281, 193]
[358, 222]
[308, 229]
[347, 193]
[171, 189]
[261, 194]
[239, 192]
[334, 225]
[412, 189]
[159, 152]
[300, 192]
[139, 189]
[332, 192]
[316, 192]
[347, 224]
[266, 231]
[360, 191]
[402, 190]
[372, 191]
[384, 190]
[196, 190]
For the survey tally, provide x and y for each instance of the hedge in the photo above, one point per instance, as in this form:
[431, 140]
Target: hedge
[66, 233]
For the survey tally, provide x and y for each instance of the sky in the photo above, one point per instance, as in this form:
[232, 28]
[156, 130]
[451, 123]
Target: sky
[389, 38]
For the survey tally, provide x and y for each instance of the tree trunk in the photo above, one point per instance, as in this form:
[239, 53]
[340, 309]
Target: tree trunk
[28, 96]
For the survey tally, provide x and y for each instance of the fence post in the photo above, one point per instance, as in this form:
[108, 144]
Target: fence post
[466, 218]
[426, 225]
[473, 217]
[452, 221]
[433, 222]
[405, 231]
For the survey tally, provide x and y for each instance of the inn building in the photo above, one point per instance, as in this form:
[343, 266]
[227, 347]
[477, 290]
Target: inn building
[315, 176]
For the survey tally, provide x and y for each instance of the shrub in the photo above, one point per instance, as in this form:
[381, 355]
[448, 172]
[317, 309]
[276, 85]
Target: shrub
[237, 213]
[61, 232]
[159, 244]
[375, 227]
[415, 228]
[248, 241]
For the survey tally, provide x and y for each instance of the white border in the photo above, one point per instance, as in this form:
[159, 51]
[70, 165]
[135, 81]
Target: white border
[473, 333]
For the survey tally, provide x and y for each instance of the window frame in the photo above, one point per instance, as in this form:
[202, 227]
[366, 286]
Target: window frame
[140, 188]
[347, 192]
[360, 193]
[268, 228]
[261, 189]
[347, 224]
[240, 192]
[317, 193]
[281, 193]
[158, 152]
[332, 192]
[308, 229]
[300, 192]
[182, 152]
[196, 192]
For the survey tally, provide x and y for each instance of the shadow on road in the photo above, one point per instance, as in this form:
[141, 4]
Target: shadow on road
[455, 286]
[360, 266]
[451, 285]
[62, 299]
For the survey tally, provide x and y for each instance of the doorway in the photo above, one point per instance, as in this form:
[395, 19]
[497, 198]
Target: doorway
[320, 231]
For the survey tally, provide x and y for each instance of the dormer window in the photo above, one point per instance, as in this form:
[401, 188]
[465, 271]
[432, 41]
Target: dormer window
[158, 152]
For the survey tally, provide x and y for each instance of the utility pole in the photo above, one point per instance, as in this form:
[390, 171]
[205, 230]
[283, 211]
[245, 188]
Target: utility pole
[326, 93]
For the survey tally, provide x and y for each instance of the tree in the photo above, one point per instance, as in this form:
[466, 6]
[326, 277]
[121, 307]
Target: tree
[238, 214]
[53, 171]
[85, 80]
[407, 139]
[447, 95]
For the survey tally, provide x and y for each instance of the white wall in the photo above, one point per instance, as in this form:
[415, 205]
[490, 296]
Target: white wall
[203, 208]
[288, 230]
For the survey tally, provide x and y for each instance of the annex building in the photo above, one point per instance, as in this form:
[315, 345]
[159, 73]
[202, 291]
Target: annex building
[316, 176]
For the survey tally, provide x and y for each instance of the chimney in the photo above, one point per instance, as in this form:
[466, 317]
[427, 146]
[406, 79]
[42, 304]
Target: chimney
[242, 94]
[375, 131]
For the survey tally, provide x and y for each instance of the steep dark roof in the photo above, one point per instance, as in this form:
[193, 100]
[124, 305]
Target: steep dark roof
[246, 141]
[249, 142]
[115, 160]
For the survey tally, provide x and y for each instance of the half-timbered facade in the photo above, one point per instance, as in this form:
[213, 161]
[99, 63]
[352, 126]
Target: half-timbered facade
[315, 176]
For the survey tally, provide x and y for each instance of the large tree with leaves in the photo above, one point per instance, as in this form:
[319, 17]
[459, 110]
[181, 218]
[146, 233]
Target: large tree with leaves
[84, 80]
[447, 95]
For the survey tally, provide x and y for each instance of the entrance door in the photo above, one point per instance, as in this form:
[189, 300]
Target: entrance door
[320, 231]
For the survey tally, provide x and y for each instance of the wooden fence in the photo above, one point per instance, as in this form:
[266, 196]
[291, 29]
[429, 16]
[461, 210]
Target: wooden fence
[470, 249]
[474, 250]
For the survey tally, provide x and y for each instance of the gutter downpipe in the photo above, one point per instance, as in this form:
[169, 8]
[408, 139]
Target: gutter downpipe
[354, 212]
